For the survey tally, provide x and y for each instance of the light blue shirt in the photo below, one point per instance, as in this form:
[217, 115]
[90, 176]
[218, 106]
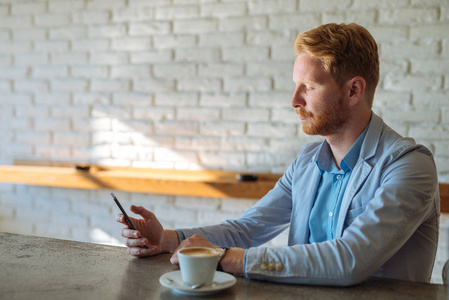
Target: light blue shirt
[387, 225]
[326, 209]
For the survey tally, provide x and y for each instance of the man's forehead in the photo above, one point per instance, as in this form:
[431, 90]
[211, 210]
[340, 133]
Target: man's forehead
[308, 69]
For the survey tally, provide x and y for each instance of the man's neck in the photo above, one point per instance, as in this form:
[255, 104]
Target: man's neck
[342, 141]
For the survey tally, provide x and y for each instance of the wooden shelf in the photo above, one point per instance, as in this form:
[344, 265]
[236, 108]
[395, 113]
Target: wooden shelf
[444, 196]
[214, 184]
[217, 184]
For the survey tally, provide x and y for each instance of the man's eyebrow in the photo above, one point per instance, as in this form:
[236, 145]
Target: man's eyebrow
[310, 81]
[306, 81]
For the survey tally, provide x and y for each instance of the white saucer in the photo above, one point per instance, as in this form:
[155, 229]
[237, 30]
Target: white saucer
[221, 281]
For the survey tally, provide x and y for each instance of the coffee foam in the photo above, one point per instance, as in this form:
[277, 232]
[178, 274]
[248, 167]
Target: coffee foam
[199, 252]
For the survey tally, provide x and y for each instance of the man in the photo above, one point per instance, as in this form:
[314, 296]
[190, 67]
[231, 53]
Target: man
[363, 202]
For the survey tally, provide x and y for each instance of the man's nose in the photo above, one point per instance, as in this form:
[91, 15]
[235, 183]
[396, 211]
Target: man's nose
[297, 99]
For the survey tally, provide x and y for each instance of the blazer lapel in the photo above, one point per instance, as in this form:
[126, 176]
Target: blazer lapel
[361, 170]
[303, 199]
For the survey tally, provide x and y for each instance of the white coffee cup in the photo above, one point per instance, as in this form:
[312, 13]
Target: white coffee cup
[198, 265]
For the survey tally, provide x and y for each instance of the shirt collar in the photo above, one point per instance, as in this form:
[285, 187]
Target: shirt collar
[324, 158]
[325, 161]
[351, 157]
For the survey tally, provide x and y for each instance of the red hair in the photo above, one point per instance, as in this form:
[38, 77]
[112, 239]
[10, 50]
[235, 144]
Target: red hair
[346, 51]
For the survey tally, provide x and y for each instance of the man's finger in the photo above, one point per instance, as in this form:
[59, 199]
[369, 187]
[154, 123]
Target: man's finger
[142, 252]
[130, 242]
[140, 210]
[121, 219]
[130, 233]
[174, 259]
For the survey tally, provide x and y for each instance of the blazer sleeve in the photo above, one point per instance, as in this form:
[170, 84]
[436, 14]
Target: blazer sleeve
[269, 217]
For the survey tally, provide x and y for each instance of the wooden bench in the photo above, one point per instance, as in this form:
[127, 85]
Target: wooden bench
[206, 183]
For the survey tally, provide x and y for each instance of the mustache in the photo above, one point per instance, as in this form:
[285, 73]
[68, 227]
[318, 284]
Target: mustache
[303, 112]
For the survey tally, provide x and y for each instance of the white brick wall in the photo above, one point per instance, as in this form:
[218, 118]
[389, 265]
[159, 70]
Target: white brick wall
[188, 84]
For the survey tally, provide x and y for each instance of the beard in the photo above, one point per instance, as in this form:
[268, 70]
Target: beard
[328, 120]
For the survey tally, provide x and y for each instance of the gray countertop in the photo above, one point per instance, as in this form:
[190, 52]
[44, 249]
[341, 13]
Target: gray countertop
[43, 268]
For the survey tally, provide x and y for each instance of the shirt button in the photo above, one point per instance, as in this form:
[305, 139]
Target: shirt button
[271, 267]
[263, 266]
[331, 214]
[338, 177]
[279, 267]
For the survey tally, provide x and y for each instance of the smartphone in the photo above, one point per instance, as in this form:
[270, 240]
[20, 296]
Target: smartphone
[128, 220]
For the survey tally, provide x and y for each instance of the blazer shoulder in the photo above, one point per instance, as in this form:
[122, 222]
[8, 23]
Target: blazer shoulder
[307, 153]
[397, 146]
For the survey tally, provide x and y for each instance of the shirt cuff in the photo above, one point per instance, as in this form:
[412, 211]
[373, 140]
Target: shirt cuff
[181, 236]
[244, 263]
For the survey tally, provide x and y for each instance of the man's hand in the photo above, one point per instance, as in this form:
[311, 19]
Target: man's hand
[232, 262]
[149, 232]
[193, 241]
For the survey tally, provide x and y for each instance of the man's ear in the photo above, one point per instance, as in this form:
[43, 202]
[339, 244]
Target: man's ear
[356, 89]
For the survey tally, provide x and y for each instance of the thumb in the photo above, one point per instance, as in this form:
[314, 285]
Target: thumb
[144, 213]
[174, 259]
